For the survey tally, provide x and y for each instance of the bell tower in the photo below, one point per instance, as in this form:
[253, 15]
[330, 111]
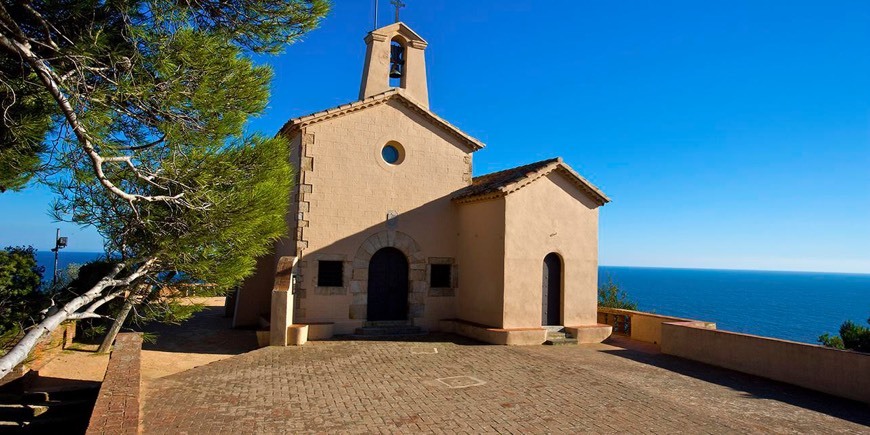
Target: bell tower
[395, 59]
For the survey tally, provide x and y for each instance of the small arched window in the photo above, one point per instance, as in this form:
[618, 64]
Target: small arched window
[397, 63]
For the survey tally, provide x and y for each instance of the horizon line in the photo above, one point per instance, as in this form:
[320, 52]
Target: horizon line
[730, 269]
[725, 268]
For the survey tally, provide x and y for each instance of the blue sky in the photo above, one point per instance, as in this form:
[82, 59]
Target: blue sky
[728, 134]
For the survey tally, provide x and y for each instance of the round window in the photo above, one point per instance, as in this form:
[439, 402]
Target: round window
[393, 153]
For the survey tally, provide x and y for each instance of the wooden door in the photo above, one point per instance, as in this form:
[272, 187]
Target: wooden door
[388, 286]
[551, 289]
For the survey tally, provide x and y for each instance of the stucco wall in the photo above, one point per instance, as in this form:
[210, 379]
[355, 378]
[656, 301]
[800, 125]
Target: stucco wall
[550, 215]
[347, 193]
[480, 254]
[837, 372]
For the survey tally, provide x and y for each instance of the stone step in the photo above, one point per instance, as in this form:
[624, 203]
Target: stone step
[387, 331]
[69, 409]
[555, 335]
[46, 425]
[11, 427]
[78, 393]
[386, 323]
[19, 412]
[560, 341]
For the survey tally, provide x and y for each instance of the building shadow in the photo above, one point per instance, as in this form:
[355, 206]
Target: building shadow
[430, 337]
[753, 387]
[206, 332]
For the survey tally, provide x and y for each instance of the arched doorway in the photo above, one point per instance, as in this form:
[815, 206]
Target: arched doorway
[388, 285]
[551, 303]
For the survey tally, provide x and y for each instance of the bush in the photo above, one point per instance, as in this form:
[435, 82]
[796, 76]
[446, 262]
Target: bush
[852, 337]
[20, 280]
[611, 296]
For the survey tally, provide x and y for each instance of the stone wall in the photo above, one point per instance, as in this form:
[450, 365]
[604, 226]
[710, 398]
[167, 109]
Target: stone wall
[117, 407]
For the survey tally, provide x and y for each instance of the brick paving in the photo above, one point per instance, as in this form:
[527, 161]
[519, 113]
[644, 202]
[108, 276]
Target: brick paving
[394, 386]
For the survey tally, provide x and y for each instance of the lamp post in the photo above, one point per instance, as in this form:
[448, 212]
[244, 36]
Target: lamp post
[59, 243]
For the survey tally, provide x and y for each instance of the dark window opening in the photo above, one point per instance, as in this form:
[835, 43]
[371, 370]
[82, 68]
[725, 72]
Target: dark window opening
[440, 276]
[330, 274]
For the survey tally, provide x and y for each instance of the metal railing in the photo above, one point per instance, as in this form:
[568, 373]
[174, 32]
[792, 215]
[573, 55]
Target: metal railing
[618, 319]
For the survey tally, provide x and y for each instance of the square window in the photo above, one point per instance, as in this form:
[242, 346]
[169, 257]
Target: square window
[439, 276]
[330, 273]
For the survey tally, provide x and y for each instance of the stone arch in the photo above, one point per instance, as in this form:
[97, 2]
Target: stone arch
[418, 285]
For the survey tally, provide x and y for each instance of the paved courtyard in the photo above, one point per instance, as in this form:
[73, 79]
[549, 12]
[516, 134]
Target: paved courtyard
[446, 384]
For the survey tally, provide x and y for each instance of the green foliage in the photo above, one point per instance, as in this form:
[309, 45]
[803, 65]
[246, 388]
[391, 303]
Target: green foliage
[831, 341]
[155, 155]
[24, 125]
[20, 279]
[137, 109]
[169, 311]
[91, 330]
[611, 296]
[8, 337]
[852, 337]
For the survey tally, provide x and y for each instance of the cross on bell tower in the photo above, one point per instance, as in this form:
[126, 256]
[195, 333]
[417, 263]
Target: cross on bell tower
[398, 4]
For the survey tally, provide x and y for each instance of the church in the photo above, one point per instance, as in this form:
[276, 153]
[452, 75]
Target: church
[389, 231]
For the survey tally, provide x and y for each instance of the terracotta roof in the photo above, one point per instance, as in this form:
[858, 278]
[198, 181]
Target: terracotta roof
[502, 183]
[393, 94]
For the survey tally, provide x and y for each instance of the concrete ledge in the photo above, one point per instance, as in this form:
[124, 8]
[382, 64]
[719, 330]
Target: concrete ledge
[297, 335]
[838, 372]
[117, 408]
[320, 330]
[486, 334]
[590, 333]
[263, 338]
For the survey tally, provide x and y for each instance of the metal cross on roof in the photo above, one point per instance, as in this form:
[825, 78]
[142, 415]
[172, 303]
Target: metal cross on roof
[398, 4]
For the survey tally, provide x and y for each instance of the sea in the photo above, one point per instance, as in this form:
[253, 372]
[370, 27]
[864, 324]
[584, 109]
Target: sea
[64, 259]
[797, 306]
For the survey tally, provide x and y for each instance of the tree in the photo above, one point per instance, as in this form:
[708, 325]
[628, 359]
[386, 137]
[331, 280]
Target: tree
[611, 296]
[139, 107]
[852, 337]
[20, 280]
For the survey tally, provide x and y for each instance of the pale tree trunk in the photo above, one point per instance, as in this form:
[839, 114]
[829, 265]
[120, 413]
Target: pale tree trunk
[90, 301]
[116, 325]
[132, 299]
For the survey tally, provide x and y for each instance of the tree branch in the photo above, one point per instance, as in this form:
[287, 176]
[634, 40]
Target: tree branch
[20, 351]
[51, 82]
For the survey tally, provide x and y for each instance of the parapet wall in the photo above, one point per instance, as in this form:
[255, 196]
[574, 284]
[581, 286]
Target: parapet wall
[837, 372]
[117, 407]
[646, 327]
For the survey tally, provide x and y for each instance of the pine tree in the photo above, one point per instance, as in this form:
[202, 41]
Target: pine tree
[137, 109]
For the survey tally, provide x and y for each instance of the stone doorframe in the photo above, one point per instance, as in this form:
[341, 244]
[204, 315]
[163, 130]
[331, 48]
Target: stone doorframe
[418, 285]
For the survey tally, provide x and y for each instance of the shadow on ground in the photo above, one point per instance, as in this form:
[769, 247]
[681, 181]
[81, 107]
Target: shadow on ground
[207, 332]
[434, 337]
[751, 386]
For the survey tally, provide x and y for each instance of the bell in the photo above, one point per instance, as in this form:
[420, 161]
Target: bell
[397, 61]
[395, 71]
